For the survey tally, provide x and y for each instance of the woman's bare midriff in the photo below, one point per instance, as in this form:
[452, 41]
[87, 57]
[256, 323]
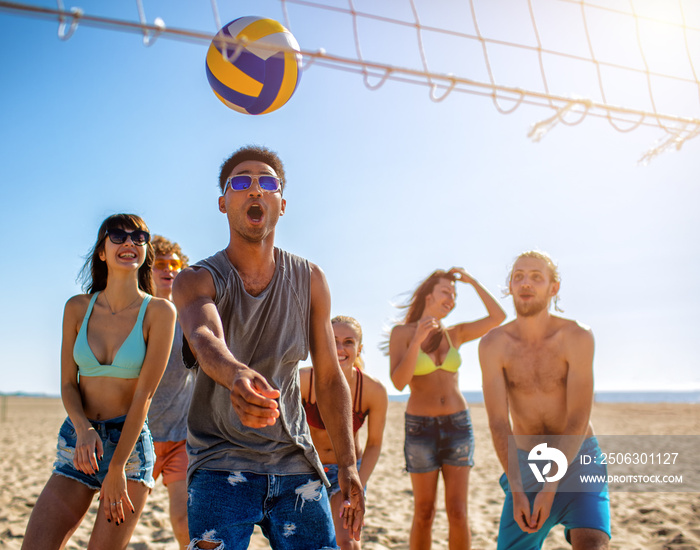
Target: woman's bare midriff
[105, 397]
[435, 394]
[324, 448]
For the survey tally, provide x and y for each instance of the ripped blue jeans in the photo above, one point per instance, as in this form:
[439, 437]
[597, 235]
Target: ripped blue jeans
[293, 511]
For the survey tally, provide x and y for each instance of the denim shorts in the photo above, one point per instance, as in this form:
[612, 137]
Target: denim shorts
[293, 511]
[139, 466]
[331, 471]
[432, 441]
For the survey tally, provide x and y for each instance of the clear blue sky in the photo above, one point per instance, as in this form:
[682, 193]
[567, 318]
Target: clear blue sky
[384, 186]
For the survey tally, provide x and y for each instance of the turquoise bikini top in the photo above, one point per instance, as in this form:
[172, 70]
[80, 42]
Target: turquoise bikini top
[425, 365]
[129, 358]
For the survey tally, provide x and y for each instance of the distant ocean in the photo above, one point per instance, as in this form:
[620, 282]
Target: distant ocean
[600, 396]
[606, 397]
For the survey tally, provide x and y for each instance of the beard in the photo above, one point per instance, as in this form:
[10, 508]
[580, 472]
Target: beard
[530, 309]
[252, 234]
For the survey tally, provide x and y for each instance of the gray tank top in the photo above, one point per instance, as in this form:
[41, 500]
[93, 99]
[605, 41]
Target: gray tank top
[269, 333]
[167, 415]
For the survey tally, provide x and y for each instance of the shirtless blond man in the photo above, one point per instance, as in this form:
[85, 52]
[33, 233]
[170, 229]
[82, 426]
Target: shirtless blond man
[538, 384]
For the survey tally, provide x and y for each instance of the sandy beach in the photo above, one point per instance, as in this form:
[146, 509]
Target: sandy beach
[649, 521]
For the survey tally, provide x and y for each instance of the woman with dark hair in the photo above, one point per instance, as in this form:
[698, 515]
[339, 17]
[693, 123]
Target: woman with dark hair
[369, 403]
[425, 356]
[116, 342]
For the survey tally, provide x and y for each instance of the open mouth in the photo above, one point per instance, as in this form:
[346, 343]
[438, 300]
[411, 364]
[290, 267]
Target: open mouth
[255, 213]
[127, 255]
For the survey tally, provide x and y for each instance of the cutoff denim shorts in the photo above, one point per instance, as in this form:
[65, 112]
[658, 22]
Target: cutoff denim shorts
[331, 471]
[139, 466]
[293, 511]
[432, 441]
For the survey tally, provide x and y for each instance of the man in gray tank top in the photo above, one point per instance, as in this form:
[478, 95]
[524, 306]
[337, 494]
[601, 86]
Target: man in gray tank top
[250, 313]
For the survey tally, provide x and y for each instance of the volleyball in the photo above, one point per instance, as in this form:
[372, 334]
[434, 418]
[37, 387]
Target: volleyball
[261, 76]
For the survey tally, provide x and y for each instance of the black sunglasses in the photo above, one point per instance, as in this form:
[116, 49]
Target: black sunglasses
[138, 236]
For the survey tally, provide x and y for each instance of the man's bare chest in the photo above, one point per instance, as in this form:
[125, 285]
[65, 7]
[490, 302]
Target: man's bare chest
[530, 369]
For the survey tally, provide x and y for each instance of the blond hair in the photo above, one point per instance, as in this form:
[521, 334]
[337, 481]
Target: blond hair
[357, 328]
[551, 266]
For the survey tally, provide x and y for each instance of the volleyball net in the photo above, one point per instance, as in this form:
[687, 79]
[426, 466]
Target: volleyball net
[633, 63]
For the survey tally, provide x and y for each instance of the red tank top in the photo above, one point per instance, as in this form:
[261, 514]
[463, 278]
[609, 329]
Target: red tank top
[313, 415]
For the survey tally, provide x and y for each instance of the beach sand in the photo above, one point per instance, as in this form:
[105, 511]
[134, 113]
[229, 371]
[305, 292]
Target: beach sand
[649, 521]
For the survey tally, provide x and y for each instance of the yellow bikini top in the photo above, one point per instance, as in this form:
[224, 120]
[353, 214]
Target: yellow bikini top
[425, 365]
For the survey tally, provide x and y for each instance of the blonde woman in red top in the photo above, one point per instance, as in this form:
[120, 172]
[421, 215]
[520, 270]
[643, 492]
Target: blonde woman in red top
[369, 405]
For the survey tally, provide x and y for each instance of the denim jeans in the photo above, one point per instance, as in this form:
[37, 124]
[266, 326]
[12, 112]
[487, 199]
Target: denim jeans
[293, 511]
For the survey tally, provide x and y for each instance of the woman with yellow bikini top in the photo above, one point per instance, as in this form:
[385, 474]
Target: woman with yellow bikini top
[425, 356]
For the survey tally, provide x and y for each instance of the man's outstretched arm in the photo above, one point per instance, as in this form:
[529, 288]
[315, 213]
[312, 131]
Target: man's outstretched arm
[334, 403]
[252, 397]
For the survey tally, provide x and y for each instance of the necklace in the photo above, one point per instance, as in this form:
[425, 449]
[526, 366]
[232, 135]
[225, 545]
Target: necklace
[123, 309]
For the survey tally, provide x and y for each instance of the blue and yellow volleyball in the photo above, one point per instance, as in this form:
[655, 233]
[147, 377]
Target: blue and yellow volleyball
[264, 74]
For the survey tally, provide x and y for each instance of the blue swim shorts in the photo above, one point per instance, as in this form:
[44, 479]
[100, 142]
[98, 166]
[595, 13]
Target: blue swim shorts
[573, 509]
[432, 441]
[139, 466]
[331, 471]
